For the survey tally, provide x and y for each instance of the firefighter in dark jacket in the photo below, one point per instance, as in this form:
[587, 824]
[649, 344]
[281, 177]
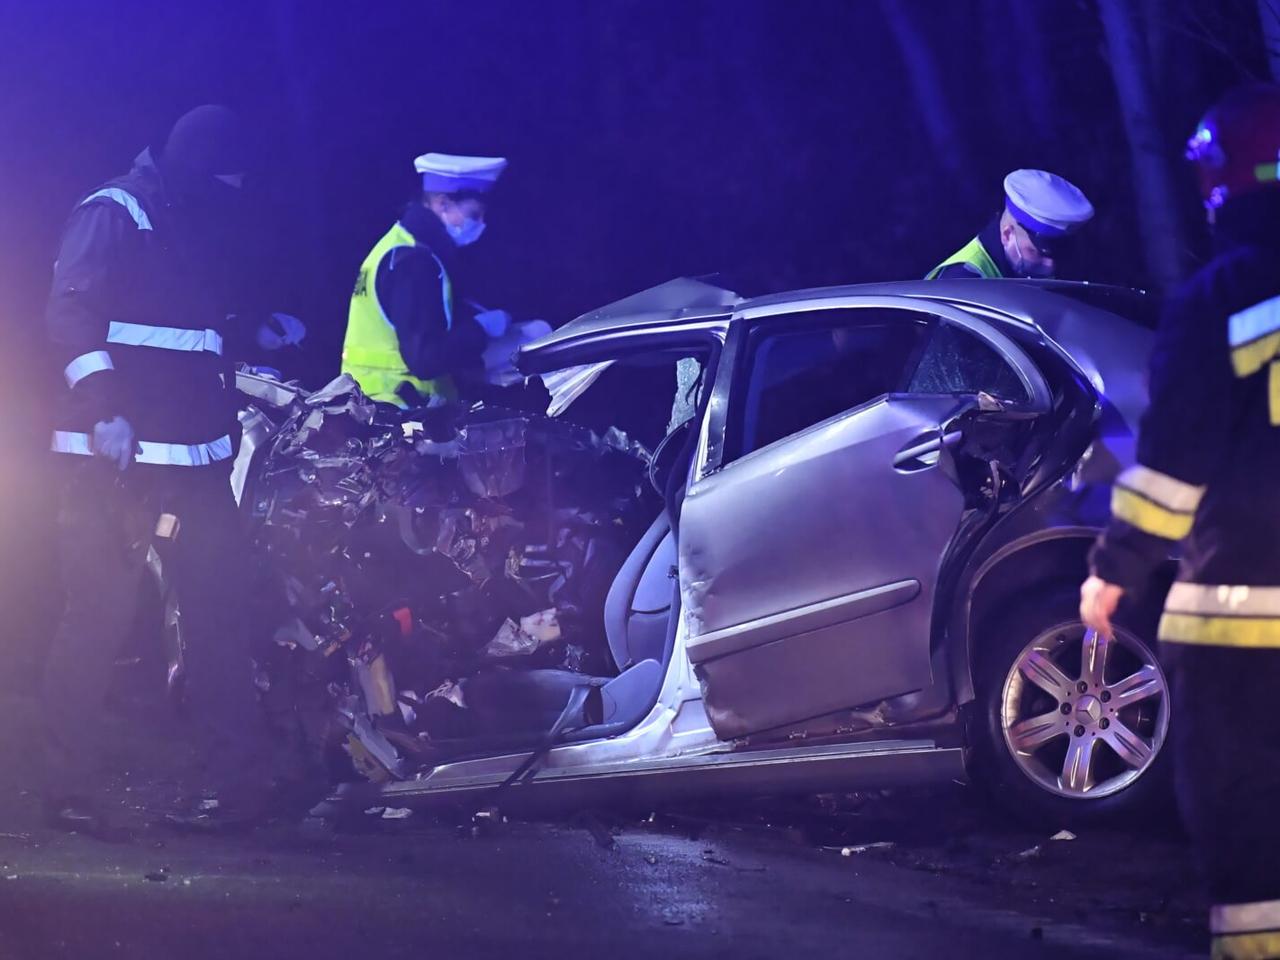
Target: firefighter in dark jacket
[145, 436]
[1041, 211]
[410, 336]
[1208, 478]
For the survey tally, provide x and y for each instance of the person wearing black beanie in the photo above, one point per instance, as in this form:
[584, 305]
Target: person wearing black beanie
[146, 433]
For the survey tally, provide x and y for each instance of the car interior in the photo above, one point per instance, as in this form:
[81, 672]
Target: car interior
[515, 708]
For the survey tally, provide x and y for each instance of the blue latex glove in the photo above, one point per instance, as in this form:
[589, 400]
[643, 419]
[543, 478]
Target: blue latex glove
[113, 440]
[261, 371]
[281, 330]
[495, 322]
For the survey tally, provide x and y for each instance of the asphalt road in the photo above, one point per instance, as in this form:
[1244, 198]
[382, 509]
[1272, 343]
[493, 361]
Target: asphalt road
[762, 882]
[946, 875]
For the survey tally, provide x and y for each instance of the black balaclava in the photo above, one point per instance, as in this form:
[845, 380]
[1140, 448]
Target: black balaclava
[206, 143]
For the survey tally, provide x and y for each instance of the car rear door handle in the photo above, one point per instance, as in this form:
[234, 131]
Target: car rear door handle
[924, 451]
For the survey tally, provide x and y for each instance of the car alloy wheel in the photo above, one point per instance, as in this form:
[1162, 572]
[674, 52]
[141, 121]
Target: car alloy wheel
[1084, 717]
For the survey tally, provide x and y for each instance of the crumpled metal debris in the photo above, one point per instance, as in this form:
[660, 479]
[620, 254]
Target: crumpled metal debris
[524, 638]
[415, 549]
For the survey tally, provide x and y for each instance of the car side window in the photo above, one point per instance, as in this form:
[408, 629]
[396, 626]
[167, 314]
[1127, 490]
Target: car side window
[956, 361]
[826, 363]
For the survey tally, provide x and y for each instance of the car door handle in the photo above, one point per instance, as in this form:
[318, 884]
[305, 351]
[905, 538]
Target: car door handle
[924, 451]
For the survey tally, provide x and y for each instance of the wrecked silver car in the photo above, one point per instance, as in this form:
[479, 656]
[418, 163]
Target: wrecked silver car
[849, 563]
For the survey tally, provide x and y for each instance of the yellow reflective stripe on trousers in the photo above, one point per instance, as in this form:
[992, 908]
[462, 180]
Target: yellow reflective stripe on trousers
[1256, 633]
[1264, 945]
[1222, 615]
[1150, 517]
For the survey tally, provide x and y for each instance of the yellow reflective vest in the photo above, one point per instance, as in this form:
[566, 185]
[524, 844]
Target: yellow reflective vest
[972, 254]
[371, 348]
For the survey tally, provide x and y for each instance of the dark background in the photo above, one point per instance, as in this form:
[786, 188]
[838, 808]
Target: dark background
[782, 143]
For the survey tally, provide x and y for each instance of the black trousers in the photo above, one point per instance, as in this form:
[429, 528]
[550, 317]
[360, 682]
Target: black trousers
[1226, 740]
[105, 525]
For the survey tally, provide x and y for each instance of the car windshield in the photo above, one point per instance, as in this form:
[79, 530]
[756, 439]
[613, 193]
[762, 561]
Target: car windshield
[645, 397]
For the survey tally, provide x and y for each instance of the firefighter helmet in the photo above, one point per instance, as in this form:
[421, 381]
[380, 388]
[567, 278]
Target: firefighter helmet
[1236, 147]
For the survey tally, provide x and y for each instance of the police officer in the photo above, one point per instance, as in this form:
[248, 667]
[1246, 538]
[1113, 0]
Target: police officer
[1208, 463]
[410, 336]
[138, 323]
[1041, 210]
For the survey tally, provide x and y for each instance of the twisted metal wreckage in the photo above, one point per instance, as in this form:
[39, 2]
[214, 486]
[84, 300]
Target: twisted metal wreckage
[412, 558]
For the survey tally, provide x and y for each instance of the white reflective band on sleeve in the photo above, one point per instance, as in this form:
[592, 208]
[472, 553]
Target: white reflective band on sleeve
[164, 338]
[85, 364]
[1223, 600]
[1162, 489]
[163, 454]
[126, 200]
[1255, 322]
[65, 442]
[1245, 917]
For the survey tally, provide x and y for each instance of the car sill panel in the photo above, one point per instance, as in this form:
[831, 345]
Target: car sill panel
[879, 764]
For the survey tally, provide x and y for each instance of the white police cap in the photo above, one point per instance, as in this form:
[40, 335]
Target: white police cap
[1045, 203]
[447, 173]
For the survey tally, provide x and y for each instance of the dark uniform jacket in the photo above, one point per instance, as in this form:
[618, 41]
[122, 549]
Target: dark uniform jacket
[138, 323]
[1208, 472]
[408, 288]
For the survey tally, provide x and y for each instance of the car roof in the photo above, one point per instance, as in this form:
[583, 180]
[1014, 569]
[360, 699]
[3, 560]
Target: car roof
[1033, 303]
[1104, 329]
[684, 298]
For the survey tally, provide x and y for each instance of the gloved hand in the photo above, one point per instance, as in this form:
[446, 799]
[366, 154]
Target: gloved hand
[113, 440]
[495, 322]
[261, 371]
[281, 330]
[499, 354]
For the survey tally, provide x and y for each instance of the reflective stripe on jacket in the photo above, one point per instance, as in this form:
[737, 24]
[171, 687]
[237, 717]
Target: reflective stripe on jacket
[136, 322]
[1209, 449]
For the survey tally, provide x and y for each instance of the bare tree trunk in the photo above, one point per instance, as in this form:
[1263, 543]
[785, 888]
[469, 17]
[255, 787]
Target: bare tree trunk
[1269, 14]
[1035, 79]
[1153, 183]
[1157, 42]
[302, 134]
[930, 95]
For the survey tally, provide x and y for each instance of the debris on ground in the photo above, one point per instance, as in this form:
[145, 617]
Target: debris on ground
[864, 847]
[420, 550]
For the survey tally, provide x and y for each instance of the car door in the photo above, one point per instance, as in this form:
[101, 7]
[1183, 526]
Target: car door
[813, 530]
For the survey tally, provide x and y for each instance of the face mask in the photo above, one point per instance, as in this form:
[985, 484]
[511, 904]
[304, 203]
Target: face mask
[1021, 267]
[467, 232]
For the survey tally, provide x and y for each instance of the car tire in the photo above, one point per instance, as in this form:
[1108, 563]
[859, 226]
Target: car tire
[1116, 785]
